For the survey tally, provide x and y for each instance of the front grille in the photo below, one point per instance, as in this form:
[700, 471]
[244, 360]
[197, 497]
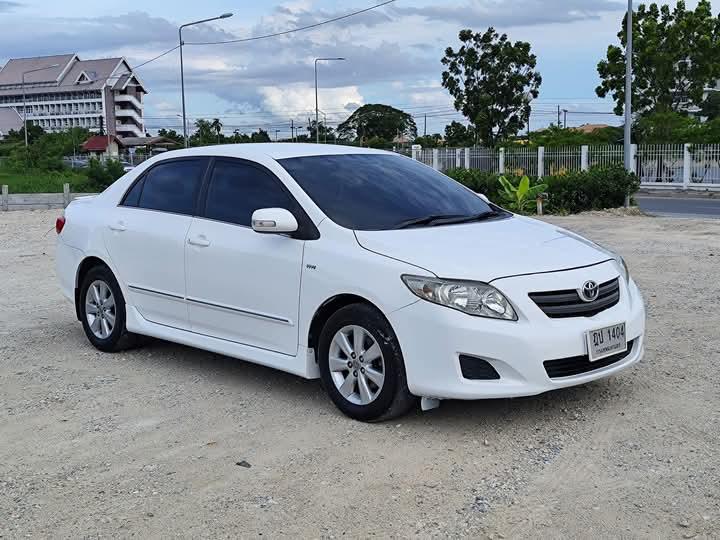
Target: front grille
[477, 369]
[563, 304]
[577, 365]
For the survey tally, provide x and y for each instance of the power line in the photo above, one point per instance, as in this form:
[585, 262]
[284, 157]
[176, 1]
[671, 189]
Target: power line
[157, 57]
[285, 32]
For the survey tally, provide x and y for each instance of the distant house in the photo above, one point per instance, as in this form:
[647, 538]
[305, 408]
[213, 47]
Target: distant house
[62, 92]
[590, 128]
[9, 119]
[102, 145]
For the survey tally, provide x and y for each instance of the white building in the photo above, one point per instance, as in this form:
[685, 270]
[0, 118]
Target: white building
[103, 94]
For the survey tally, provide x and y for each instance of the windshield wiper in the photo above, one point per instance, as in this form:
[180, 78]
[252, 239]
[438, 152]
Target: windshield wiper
[477, 217]
[427, 220]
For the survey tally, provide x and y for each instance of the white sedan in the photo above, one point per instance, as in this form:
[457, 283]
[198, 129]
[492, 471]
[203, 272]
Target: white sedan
[381, 276]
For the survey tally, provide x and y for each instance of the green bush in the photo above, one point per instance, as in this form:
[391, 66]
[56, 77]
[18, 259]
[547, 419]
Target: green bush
[596, 189]
[100, 175]
[479, 181]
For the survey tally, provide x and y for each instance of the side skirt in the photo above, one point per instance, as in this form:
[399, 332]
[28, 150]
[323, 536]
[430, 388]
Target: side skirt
[302, 365]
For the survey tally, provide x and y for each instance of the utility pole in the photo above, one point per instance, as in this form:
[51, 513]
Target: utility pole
[558, 116]
[182, 69]
[565, 111]
[628, 88]
[25, 124]
[425, 130]
[276, 134]
[292, 130]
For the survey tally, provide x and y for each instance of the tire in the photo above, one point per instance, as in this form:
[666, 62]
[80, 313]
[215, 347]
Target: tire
[102, 281]
[353, 387]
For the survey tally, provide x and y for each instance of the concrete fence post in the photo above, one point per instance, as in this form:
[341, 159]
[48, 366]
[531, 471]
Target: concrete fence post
[66, 194]
[457, 158]
[436, 159]
[541, 161]
[5, 198]
[415, 153]
[687, 166]
[584, 158]
[501, 161]
[633, 158]
[467, 158]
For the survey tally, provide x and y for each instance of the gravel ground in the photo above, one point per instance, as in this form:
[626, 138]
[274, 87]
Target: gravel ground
[168, 441]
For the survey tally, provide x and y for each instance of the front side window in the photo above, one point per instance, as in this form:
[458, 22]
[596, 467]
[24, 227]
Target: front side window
[381, 192]
[237, 189]
[170, 187]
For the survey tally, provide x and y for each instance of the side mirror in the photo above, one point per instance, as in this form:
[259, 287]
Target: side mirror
[483, 197]
[273, 221]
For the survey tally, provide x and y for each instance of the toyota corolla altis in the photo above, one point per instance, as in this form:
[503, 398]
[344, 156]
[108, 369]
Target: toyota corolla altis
[383, 277]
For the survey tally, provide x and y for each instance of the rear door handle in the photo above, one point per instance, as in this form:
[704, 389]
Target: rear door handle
[119, 226]
[199, 241]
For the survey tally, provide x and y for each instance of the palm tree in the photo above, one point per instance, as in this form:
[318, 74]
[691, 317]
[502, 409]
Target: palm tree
[217, 126]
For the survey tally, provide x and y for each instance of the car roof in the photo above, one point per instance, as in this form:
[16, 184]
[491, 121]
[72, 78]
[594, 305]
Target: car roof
[272, 150]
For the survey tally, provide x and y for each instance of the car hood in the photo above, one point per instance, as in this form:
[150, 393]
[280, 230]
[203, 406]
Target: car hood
[487, 250]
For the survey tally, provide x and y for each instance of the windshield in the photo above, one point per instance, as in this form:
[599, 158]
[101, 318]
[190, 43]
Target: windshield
[373, 192]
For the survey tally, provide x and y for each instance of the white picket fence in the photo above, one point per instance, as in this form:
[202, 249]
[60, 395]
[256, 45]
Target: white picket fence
[687, 166]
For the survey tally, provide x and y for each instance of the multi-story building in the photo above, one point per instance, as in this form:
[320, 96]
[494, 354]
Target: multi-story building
[100, 95]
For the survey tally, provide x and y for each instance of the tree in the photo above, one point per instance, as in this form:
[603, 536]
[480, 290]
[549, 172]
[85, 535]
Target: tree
[456, 134]
[710, 108]
[171, 134]
[493, 82]
[377, 121]
[217, 126]
[429, 141]
[676, 55]
[204, 134]
[326, 132]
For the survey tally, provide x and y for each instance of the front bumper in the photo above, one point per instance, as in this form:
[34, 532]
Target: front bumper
[433, 337]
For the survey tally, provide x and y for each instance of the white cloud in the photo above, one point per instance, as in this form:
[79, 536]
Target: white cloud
[294, 99]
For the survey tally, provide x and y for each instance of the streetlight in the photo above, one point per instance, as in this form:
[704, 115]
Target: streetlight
[24, 102]
[182, 75]
[317, 113]
[628, 94]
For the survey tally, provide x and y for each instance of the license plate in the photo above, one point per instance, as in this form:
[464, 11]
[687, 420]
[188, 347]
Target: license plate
[607, 341]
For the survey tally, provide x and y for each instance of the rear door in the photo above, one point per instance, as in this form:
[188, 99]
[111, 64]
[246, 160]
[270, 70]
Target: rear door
[241, 285]
[146, 234]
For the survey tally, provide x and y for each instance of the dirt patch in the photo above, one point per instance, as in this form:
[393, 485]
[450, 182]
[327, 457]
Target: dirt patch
[171, 441]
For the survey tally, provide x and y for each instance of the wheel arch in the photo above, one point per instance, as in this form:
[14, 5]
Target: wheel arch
[83, 268]
[326, 310]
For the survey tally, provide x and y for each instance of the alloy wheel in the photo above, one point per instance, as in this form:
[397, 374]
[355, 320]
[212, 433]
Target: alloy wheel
[357, 366]
[100, 310]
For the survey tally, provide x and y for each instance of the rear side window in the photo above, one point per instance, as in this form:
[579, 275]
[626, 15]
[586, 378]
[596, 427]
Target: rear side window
[237, 189]
[132, 197]
[170, 187]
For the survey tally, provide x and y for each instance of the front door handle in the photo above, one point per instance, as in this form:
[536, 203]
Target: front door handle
[119, 226]
[199, 241]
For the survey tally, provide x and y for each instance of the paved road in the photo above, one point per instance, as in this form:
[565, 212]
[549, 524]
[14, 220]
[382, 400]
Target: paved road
[679, 207]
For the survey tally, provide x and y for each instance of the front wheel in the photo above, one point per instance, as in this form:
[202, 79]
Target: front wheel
[361, 365]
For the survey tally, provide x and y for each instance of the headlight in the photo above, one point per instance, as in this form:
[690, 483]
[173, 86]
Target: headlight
[622, 265]
[474, 298]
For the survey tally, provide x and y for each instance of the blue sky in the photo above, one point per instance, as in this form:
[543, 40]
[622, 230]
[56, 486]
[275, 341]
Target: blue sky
[393, 53]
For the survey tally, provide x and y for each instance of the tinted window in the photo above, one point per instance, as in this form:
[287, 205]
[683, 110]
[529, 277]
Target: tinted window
[377, 192]
[173, 186]
[132, 197]
[236, 190]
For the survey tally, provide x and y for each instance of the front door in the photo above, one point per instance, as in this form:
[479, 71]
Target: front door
[146, 234]
[243, 286]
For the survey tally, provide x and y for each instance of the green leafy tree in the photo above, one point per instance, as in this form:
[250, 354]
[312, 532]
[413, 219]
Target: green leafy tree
[710, 108]
[260, 136]
[557, 136]
[326, 132]
[377, 120]
[493, 82]
[171, 134]
[429, 141]
[676, 55]
[204, 134]
[457, 134]
[216, 125]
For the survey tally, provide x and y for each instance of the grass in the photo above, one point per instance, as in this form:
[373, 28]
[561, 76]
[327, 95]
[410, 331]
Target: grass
[44, 181]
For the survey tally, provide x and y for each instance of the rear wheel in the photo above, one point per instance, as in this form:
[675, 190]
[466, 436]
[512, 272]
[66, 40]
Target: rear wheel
[361, 365]
[102, 311]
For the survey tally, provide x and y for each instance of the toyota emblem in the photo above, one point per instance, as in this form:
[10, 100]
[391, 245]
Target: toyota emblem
[589, 291]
